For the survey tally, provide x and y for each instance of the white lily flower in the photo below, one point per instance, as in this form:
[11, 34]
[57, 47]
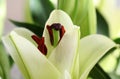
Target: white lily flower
[59, 54]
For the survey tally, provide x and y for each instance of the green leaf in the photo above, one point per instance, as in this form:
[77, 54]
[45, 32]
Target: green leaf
[34, 28]
[117, 40]
[4, 63]
[40, 10]
[82, 13]
[92, 49]
[10, 61]
[102, 26]
[98, 73]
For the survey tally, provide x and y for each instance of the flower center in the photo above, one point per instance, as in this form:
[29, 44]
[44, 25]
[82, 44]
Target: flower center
[56, 32]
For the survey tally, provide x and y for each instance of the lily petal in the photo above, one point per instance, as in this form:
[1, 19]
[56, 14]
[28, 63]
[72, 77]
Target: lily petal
[23, 32]
[92, 48]
[57, 16]
[65, 75]
[64, 55]
[29, 59]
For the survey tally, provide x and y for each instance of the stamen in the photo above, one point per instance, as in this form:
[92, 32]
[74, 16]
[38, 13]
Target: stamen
[58, 27]
[41, 46]
[50, 34]
[62, 31]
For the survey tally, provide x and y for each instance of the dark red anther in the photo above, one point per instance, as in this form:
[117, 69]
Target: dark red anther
[62, 31]
[57, 27]
[50, 34]
[41, 45]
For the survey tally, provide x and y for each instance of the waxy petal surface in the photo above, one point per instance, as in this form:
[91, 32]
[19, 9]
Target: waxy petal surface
[91, 49]
[23, 32]
[57, 16]
[33, 64]
[64, 55]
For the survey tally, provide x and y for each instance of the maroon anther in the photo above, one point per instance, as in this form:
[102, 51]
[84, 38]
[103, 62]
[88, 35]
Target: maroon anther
[57, 27]
[62, 31]
[41, 46]
[50, 34]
